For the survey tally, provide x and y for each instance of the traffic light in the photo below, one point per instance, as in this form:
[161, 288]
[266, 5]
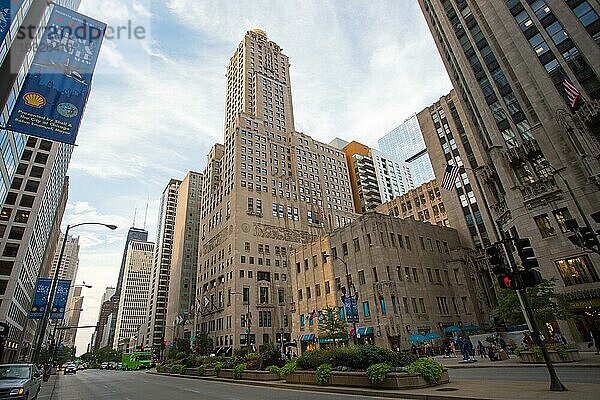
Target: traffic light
[531, 278]
[507, 280]
[526, 254]
[495, 259]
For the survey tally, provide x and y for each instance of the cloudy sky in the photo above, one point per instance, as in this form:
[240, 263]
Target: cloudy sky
[358, 69]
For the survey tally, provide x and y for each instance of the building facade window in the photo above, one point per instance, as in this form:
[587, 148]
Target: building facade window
[577, 271]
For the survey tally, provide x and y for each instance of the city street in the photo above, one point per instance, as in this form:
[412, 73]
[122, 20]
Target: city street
[97, 385]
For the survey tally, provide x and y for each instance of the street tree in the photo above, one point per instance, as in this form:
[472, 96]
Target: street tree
[547, 305]
[332, 326]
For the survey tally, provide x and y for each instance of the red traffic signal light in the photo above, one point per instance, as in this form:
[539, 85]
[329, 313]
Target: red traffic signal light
[507, 281]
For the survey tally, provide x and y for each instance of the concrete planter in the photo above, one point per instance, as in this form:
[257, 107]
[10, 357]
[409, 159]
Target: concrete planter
[225, 373]
[192, 371]
[393, 380]
[528, 357]
[250, 375]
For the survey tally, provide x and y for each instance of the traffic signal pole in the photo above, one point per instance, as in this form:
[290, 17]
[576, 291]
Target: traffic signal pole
[555, 383]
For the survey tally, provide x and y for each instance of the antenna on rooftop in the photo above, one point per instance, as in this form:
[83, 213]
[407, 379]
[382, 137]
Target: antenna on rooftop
[134, 216]
[146, 214]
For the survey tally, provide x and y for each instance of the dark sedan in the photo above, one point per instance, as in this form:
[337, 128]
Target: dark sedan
[19, 381]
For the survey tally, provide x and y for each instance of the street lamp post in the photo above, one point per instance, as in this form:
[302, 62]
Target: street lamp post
[350, 295]
[44, 321]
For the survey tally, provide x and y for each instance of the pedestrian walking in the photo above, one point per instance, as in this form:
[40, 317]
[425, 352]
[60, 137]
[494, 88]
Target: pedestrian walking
[453, 348]
[480, 349]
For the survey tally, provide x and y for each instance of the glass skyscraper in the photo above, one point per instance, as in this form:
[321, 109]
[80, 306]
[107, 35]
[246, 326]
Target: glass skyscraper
[406, 143]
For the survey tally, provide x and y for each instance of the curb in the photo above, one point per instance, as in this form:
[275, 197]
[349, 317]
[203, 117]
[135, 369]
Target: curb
[329, 389]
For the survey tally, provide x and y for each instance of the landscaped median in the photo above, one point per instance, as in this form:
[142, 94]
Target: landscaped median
[362, 366]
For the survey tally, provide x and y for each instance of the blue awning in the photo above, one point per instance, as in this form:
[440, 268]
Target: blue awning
[307, 337]
[365, 331]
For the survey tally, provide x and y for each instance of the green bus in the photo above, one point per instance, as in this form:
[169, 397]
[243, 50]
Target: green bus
[136, 360]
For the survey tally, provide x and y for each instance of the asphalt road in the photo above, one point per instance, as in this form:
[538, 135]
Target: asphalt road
[565, 374]
[121, 385]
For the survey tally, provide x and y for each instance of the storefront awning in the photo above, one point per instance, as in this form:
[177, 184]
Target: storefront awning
[365, 331]
[333, 340]
[307, 337]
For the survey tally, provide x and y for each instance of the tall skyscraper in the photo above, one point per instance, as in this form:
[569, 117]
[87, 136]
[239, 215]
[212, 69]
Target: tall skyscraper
[100, 337]
[73, 313]
[159, 282]
[134, 295]
[406, 143]
[32, 168]
[508, 62]
[140, 235]
[70, 261]
[375, 177]
[184, 262]
[268, 188]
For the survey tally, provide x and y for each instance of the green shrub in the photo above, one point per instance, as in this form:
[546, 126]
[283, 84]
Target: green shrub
[240, 354]
[166, 368]
[217, 367]
[229, 363]
[159, 368]
[344, 357]
[323, 373]
[274, 369]
[430, 370]
[201, 369]
[519, 350]
[178, 369]
[287, 369]
[404, 358]
[310, 360]
[238, 371]
[377, 373]
[537, 351]
[270, 355]
[369, 355]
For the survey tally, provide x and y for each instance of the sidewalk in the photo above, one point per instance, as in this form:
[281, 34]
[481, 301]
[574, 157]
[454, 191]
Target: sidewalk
[47, 390]
[588, 360]
[455, 390]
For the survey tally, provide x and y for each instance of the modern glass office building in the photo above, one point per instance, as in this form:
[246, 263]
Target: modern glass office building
[406, 143]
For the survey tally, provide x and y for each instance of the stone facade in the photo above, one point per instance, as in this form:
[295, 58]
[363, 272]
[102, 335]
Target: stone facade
[266, 189]
[424, 203]
[508, 61]
[411, 277]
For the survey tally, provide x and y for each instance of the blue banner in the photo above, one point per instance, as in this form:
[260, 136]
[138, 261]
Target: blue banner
[8, 13]
[56, 89]
[351, 309]
[40, 298]
[60, 299]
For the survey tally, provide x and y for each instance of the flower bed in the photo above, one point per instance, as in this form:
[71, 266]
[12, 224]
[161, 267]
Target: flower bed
[393, 380]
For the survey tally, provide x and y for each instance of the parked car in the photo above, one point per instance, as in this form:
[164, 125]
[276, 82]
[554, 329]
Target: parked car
[19, 381]
[104, 365]
[70, 369]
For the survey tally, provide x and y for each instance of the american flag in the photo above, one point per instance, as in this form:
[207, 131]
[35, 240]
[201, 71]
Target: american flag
[452, 172]
[572, 93]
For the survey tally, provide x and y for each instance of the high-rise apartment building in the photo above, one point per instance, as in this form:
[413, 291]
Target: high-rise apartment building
[508, 62]
[141, 235]
[72, 315]
[133, 301]
[375, 177]
[70, 260]
[184, 262]
[268, 188]
[100, 336]
[405, 143]
[159, 281]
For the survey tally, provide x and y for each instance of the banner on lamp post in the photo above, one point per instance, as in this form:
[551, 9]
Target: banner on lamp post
[40, 298]
[56, 89]
[8, 13]
[61, 297]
